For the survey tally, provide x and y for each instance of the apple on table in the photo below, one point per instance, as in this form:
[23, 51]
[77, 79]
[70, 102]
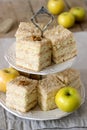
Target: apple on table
[79, 13]
[68, 99]
[55, 6]
[6, 75]
[66, 19]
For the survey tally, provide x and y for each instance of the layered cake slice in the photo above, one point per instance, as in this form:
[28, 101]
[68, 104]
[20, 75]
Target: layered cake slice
[63, 44]
[47, 90]
[33, 53]
[21, 94]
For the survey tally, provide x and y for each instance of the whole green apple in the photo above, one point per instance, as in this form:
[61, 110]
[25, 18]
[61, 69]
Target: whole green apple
[55, 6]
[79, 13]
[6, 75]
[68, 99]
[66, 19]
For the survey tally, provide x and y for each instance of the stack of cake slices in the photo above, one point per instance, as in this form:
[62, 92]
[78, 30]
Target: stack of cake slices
[24, 93]
[35, 52]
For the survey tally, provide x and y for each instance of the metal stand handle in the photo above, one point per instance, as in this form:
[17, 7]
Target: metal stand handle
[42, 11]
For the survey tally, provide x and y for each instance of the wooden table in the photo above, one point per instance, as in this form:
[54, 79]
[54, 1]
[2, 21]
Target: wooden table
[23, 10]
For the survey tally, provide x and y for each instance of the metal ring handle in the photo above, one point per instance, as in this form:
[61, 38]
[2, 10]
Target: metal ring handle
[42, 11]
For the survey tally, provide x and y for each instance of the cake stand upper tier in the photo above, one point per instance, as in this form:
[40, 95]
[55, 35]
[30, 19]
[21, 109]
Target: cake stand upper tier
[54, 68]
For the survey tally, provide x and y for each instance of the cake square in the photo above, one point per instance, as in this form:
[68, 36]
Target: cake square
[47, 90]
[21, 94]
[33, 53]
[63, 44]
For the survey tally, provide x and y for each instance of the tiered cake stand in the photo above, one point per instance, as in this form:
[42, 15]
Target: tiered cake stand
[37, 113]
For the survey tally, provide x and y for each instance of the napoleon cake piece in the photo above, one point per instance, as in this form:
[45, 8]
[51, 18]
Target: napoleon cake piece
[70, 77]
[63, 44]
[21, 94]
[33, 53]
[47, 90]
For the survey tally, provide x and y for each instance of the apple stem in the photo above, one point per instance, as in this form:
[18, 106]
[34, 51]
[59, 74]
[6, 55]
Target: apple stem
[68, 94]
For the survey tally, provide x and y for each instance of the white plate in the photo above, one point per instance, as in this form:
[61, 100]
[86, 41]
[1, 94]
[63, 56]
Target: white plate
[36, 113]
[10, 57]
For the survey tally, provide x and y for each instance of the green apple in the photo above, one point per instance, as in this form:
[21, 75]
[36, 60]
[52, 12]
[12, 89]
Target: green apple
[68, 99]
[55, 6]
[79, 13]
[6, 75]
[66, 19]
